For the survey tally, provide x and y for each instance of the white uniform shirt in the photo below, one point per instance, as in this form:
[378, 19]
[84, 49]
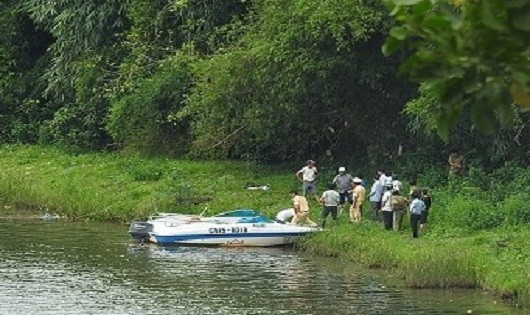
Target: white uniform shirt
[308, 174]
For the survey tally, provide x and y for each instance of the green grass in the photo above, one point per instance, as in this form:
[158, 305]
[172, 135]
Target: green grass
[497, 260]
[120, 188]
[457, 252]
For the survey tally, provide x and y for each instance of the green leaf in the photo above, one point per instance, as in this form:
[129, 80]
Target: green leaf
[391, 45]
[399, 32]
[437, 23]
[447, 120]
[492, 15]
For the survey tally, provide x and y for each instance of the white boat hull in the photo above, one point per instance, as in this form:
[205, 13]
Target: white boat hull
[237, 234]
[235, 228]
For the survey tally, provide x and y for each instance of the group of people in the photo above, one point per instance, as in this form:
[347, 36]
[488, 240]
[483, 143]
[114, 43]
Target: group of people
[385, 196]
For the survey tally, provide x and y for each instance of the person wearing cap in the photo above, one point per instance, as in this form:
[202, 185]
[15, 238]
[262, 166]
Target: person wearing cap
[344, 183]
[308, 176]
[358, 193]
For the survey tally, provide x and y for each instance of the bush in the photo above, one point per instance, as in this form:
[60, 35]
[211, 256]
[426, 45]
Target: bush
[145, 121]
[515, 210]
[469, 214]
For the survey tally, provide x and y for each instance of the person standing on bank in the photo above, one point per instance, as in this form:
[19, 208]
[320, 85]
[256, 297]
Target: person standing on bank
[399, 208]
[330, 201]
[343, 182]
[358, 195]
[396, 183]
[386, 207]
[427, 200]
[301, 209]
[417, 207]
[308, 176]
[456, 163]
[376, 193]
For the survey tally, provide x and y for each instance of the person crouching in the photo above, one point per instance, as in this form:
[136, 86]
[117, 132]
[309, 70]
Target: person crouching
[301, 209]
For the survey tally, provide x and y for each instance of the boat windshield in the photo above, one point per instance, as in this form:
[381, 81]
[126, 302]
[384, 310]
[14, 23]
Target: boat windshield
[238, 213]
[256, 219]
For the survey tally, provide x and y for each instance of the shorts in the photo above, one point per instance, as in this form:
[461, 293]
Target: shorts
[309, 187]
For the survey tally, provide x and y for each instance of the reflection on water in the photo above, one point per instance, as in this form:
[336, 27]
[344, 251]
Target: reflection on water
[67, 268]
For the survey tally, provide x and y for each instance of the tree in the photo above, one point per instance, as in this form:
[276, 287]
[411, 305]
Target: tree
[305, 78]
[468, 54]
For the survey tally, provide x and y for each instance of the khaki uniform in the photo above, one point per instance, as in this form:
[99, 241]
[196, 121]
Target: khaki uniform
[358, 194]
[301, 208]
[456, 163]
[399, 208]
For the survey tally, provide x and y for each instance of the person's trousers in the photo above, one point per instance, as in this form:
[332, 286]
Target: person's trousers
[388, 217]
[375, 206]
[397, 219]
[414, 224]
[343, 196]
[327, 210]
[355, 213]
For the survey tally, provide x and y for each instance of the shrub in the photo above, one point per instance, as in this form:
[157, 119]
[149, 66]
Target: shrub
[515, 210]
[470, 214]
[145, 121]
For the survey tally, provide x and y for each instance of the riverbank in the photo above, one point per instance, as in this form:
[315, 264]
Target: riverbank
[115, 187]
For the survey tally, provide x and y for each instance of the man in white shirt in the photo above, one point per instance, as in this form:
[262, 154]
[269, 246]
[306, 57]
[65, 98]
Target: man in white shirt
[285, 216]
[308, 176]
[386, 208]
[330, 200]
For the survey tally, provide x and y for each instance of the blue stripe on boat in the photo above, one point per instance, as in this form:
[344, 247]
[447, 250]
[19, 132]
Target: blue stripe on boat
[189, 237]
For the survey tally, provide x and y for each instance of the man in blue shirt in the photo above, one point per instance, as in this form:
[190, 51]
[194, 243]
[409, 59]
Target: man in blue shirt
[376, 193]
[417, 207]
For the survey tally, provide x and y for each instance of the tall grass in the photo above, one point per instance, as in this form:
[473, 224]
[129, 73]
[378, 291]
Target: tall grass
[120, 188]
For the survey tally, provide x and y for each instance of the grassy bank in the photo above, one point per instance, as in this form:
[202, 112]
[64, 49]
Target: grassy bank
[120, 188]
[479, 236]
[497, 260]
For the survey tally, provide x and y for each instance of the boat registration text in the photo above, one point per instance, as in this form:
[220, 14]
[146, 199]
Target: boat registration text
[228, 230]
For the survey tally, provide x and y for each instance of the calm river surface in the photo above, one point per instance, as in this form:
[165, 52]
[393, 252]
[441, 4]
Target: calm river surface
[94, 268]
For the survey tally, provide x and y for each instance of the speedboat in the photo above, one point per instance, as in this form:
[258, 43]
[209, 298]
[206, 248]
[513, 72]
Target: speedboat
[244, 227]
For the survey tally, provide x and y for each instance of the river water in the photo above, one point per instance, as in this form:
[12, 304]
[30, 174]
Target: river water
[94, 268]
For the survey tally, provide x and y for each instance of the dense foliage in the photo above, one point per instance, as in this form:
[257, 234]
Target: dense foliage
[271, 81]
[470, 54]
